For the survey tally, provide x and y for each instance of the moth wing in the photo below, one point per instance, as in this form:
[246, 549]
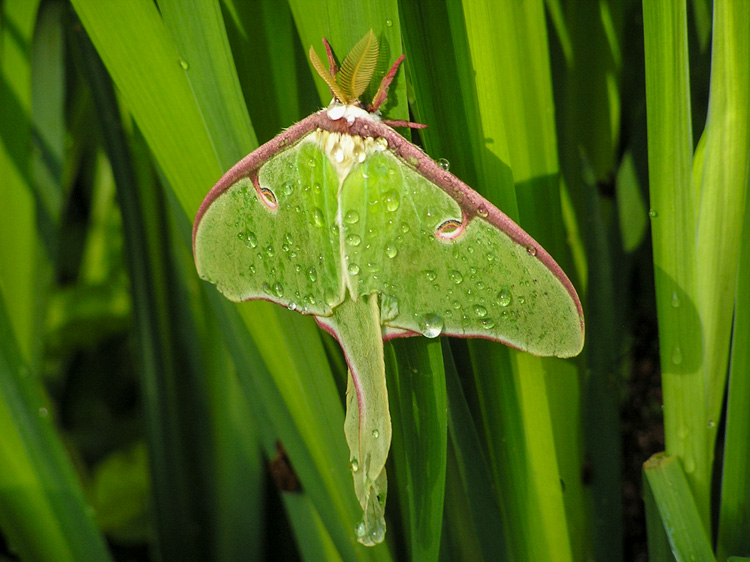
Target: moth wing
[442, 267]
[271, 233]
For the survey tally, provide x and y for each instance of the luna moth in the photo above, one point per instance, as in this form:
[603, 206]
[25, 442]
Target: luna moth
[342, 218]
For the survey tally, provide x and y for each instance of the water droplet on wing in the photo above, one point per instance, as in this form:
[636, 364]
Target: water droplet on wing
[480, 311]
[391, 201]
[503, 297]
[351, 217]
[317, 217]
[353, 240]
[456, 276]
[431, 325]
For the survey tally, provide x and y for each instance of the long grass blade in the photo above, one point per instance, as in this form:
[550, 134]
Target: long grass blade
[677, 508]
[673, 226]
[724, 188]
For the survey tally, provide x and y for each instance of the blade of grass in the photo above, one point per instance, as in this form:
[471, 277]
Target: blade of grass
[266, 53]
[197, 28]
[48, 113]
[416, 392]
[514, 98]
[724, 187]
[588, 113]
[734, 510]
[18, 237]
[471, 463]
[677, 509]
[42, 509]
[152, 278]
[673, 226]
[658, 542]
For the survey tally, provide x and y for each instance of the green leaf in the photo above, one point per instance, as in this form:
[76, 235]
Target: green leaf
[677, 508]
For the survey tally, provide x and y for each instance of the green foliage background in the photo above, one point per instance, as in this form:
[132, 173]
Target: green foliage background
[140, 410]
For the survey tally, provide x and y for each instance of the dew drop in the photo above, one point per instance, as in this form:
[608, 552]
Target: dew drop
[390, 249]
[377, 534]
[430, 274]
[480, 311]
[288, 238]
[503, 297]
[375, 433]
[389, 23]
[184, 64]
[521, 300]
[444, 164]
[388, 307]
[311, 163]
[312, 275]
[317, 217]
[330, 297]
[353, 240]
[531, 250]
[391, 201]
[675, 300]
[677, 355]
[710, 423]
[354, 465]
[288, 188]
[456, 305]
[653, 214]
[456, 276]
[351, 217]
[278, 290]
[353, 269]
[43, 412]
[292, 306]
[252, 240]
[488, 323]
[404, 228]
[270, 252]
[431, 325]
[482, 212]
[360, 530]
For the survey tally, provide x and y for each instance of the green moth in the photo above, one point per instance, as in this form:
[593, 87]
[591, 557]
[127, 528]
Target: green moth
[342, 218]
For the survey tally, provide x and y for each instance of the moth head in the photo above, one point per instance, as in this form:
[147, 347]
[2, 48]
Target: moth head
[349, 82]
